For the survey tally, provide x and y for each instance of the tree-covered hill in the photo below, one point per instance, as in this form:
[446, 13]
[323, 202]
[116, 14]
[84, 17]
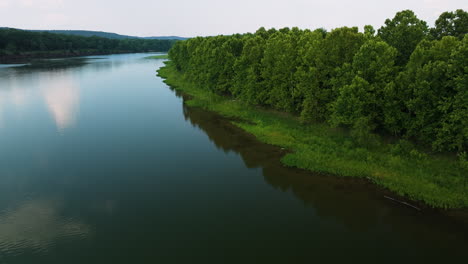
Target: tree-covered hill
[87, 33]
[90, 33]
[20, 43]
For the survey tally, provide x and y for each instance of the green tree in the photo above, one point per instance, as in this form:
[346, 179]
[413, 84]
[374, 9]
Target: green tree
[337, 49]
[452, 133]
[362, 87]
[369, 31]
[451, 24]
[278, 67]
[403, 32]
[248, 82]
[427, 85]
[307, 86]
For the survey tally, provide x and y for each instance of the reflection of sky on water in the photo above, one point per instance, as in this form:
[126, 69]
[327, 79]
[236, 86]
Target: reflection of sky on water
[61, 94]
[36, 225]
[11, 65]
[54, 83]
[59, 91]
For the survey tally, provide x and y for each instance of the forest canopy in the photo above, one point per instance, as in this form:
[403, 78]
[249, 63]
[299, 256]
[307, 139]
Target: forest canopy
[405, 79]
[17, 42]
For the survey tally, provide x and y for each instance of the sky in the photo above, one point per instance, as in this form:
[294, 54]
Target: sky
[191, 18]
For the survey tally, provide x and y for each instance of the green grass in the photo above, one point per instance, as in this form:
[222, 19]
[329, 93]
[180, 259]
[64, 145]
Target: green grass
[436, 181]
[158, 57]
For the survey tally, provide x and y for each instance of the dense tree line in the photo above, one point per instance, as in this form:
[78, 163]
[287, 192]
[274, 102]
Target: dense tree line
[406, 79]
[16, 42]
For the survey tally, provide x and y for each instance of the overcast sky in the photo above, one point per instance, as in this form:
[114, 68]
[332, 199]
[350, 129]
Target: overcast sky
[210, 17]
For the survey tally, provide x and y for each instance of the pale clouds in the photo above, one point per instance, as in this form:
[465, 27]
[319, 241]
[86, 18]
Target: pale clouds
[56, 19]
[438, 6]
[33, 4]
[41, 4]
[32, 14]
[4, 3]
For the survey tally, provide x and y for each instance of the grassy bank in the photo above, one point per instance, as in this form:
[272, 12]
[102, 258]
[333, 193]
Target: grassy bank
[437, 181]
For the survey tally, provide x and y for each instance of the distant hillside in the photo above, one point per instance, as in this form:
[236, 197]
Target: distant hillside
[89, 33]
[86, 33]
[26, 44]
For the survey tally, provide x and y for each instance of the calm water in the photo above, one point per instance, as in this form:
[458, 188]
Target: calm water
[101, 162]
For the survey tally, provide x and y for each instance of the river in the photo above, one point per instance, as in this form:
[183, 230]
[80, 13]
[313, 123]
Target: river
[101, 162]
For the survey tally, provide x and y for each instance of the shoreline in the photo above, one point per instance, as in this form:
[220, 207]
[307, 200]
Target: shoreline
[285, 131]
[21, 58]
[325, 181]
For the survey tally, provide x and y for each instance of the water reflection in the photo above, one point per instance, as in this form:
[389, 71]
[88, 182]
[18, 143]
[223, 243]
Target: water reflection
[61, 94]
[58, 87]
[14, 92]
[36, 225]
[45, 64]
[15, 95]
[332, 198]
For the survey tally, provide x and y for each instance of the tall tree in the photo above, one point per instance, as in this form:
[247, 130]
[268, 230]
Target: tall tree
[451, 24]
[337, 49]
[362, 93]
[278, 67]
[453, 131]
[404, 32]
[248, 80]
[427, 84]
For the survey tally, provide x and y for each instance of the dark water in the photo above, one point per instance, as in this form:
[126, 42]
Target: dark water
[100, 162]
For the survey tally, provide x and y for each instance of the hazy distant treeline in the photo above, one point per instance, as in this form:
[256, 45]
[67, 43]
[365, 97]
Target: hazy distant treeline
[17, 42]
[406, 79]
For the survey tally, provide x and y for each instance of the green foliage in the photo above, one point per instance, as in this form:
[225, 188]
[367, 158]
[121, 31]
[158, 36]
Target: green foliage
[17, 42]
[452, 133]
[398, 82]
[369, 31]
[352, 103]
[248, 81]
[278, 68]
[403, 32]
[308, 79]
[361, 100]
[451, 24]
[402, 148]
[434, 94]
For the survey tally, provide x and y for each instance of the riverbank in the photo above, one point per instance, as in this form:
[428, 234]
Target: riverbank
[428, 180]
[158, 57]
[27, 56]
